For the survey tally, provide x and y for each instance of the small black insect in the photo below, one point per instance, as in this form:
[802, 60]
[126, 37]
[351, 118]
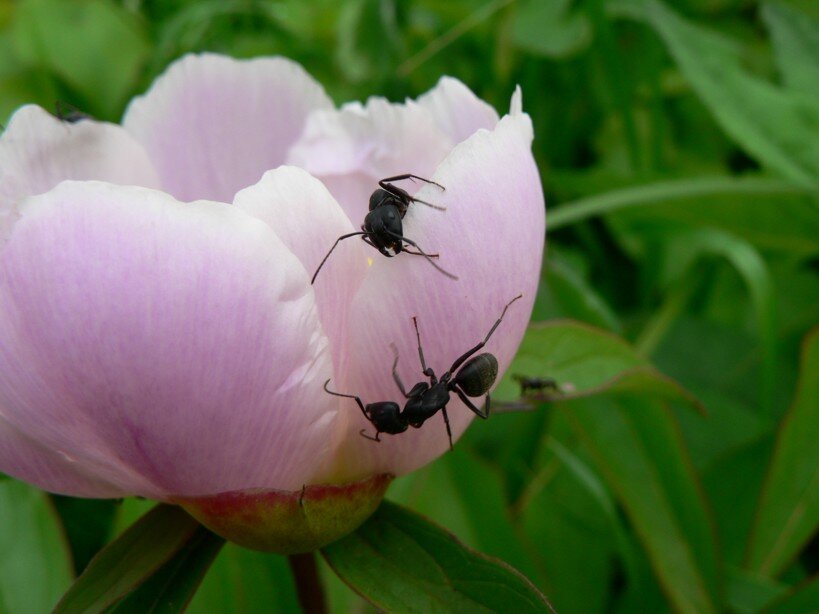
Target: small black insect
[382, 226]
[69, 113]
[542, 385]
[473, 377]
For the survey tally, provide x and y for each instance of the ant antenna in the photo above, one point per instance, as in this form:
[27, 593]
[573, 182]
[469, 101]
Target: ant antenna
[348, 396]
[363, 433]
[341, 238]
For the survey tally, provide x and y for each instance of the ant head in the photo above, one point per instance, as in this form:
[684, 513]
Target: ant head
[384, 228]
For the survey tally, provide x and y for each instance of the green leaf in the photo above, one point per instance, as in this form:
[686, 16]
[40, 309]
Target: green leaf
[564, 293]
[476, 508]
[401, 562]
[729, 379]
[550, 28]
[95, 47]
[584, 361]
[173, 585]
[512, 446]
[638, 448]
[732, 484]
[803, 600]
[788, 511]
[779, 127]
[758, 280]
[565, 518]
[796, 43]
[35, 565]
[748, 593]
[130, 511]
[88, 524]
[148, 553]
[242, 580]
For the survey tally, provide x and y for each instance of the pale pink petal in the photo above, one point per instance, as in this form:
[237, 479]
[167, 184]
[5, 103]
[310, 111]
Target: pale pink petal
[492, 236]
[308, 220]
[212, 124]
[161, 342]
[38, 151]
[457, 111]
[351, 149]
[27, 460]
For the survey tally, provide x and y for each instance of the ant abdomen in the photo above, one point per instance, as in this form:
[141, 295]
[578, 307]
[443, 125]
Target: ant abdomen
[477, 376]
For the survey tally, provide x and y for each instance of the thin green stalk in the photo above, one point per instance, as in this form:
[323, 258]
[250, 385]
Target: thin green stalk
[662, 191]
[673, 306]
[451, 35]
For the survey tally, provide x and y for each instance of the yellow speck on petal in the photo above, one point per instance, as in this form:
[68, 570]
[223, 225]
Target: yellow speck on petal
[369, 261]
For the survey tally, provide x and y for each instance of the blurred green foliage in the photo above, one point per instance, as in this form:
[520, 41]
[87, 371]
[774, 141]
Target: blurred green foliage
[678, 144]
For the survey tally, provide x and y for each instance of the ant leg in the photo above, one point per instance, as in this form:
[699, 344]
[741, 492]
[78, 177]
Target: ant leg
[348, 396]
[341, 238]
[363, 433]
[428, 204]
[402, 178]
[423, 253]
[369, 242]
[448, 429]
[481, 414]
[469, 353]
[420, 350]
[409, 251]
[395, 375]
[398, 192]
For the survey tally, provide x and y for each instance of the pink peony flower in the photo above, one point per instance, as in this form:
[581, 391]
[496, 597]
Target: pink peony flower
[159, 335]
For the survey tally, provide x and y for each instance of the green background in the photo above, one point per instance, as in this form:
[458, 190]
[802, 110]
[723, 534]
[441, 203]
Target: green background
[678, 145]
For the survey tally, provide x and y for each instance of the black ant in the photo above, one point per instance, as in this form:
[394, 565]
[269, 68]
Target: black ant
[538, 385]
[425, 399]
[383, 229]
[68, 113]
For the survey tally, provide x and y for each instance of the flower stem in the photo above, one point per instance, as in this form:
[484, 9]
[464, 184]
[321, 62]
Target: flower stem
[309, 587]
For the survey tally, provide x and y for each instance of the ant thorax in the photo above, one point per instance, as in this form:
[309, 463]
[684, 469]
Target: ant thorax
[382, 198]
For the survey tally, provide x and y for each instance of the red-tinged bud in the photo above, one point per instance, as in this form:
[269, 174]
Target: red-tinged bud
[289, 522]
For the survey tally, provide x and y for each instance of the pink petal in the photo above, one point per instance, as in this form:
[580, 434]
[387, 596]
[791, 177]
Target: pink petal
[213, 125]
[38, 151]
[457, 111]
[29, 461]
[492, 236]
[351, 149]
[160, 343]
[308, 220]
